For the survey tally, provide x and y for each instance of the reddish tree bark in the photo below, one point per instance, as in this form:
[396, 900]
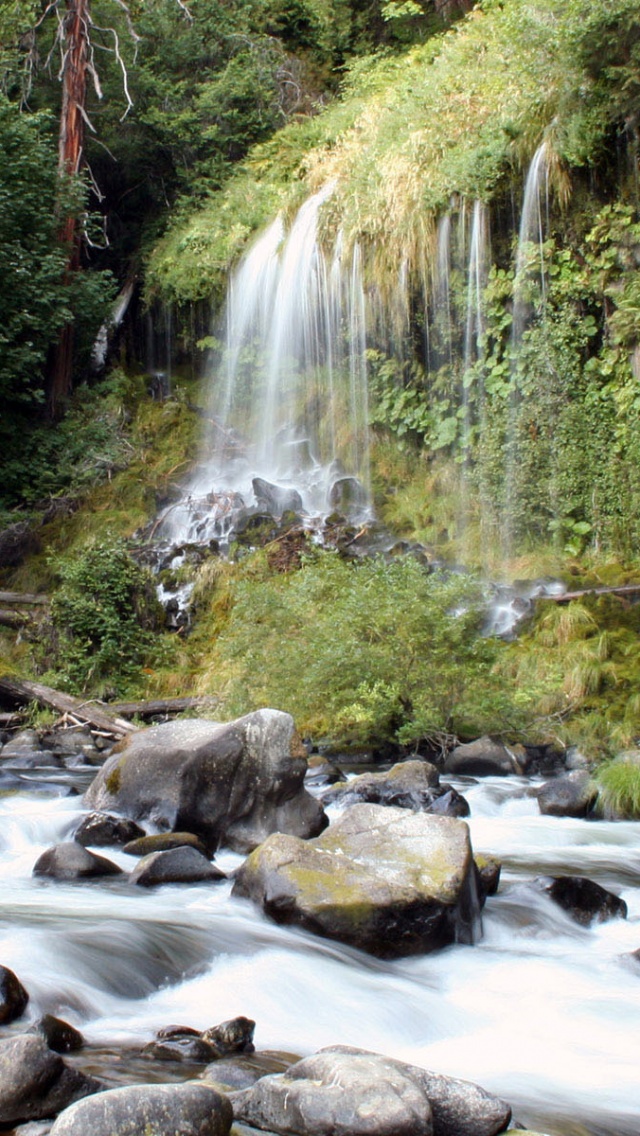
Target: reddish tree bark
[71, 143]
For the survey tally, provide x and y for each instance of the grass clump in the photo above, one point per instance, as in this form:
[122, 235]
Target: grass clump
[619, 788]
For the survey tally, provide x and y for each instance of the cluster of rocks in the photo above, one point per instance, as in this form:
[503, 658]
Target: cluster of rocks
[393, 874]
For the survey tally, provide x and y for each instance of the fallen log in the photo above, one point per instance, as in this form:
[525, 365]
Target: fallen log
[21, 691]
[608, 590]
[13, 618]
[159, 706]
[19, 598]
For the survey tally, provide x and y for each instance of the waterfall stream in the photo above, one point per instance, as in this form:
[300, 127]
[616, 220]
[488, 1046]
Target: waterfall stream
[542, 1011]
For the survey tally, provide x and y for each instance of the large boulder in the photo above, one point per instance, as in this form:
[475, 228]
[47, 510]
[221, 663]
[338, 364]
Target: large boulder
[191, 1109]
[343, 1091]
[230, 784]
[386, 880]
[35, 1082]
[276, 499]
[573, 795]
[481, 758]
[407, 785]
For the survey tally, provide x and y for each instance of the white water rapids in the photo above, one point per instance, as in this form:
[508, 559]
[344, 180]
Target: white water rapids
[542, 1011]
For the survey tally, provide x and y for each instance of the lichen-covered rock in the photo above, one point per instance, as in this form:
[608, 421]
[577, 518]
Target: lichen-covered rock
[573, 795]
[407, 785]
[230, 784]
[191, 1109]
[13, 996]
[35, 1082]
[338, 1094]
[386, 880]
[182, 865]
[343, 1090]
[70, 861]
[162, 842]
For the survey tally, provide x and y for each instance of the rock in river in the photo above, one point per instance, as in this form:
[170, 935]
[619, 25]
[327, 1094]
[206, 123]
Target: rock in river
[35, 1082]
[343, 1091]
[230, 784]
[191, 1109]
[386, 880]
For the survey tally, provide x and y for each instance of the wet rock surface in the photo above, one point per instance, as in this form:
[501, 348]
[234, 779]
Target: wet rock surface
[13, 996]
[102, 830]
[407, 785]
[584, 900]
[70, 861]
[35, 1082]
[183, 865]
[572, 795]
[482, 758]
[165, 1110]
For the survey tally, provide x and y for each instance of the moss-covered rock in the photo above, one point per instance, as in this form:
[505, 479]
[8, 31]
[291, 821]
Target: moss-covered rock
[386, 880]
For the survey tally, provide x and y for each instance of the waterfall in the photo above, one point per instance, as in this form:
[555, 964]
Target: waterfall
[289, 400]
[474, 326]
[533, 222]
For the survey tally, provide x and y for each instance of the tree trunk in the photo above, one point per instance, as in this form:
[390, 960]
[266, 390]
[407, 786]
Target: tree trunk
[160, 706]
[71, 141]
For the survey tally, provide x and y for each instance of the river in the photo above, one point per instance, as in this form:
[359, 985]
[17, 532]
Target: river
[541, 1010]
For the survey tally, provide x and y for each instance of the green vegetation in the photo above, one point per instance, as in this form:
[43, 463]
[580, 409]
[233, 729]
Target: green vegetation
[619, 788]
[103, 614]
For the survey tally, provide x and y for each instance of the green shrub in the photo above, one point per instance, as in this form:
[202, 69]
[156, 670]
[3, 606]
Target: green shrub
[366, 653]
[104, 615]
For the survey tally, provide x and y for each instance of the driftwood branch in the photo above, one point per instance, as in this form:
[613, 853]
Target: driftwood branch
[19, 598]
[160, 706]
[612, 590]
[20, 691]
[13, 618]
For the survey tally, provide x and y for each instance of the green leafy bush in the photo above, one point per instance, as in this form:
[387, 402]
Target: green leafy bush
[104, 615]
[367, 653]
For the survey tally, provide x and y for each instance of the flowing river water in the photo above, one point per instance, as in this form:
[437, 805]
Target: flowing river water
[541, 1010]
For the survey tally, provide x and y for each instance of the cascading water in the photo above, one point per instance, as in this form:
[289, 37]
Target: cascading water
[289, 409]
[542, 1011]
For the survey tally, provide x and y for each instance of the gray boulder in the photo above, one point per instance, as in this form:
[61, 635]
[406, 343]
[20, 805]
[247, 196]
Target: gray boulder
[13, 996]
[35, 1082]
[182, 865]
[482, 758]
[573, 795]
[407, 785]
[190, 1109]
[385, 880]
[70, 861]
[347, 1092]
[276, 499]
[230, 784]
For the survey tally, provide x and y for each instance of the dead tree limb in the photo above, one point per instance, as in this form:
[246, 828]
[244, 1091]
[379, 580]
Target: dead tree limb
[160, 706]
[20, 598]
[610, 590]
[21, 691]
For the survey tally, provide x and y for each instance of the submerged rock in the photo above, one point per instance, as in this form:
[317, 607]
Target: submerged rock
[13, 996]
[230, 784]
[386, 880]
[191, 1109]
[350, 1092]
[103, 830]
[407, 785]
[584, 900]
[35, 1082]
